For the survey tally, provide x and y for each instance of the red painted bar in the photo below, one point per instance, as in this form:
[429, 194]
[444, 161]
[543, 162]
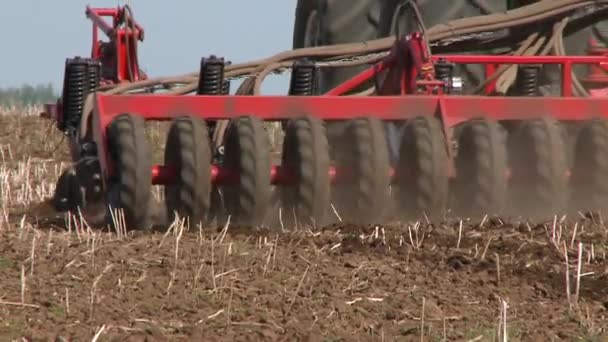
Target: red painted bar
[167, 174]
[455, 108]
[492, 59]
[357, 80]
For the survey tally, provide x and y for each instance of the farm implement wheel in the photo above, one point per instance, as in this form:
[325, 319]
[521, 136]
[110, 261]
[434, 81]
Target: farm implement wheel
[422, 170]
[589, 182]
[538, 168]
[363, 197]
[130, 187]
[330, 22]
[188, 150]
[247, 153]
[306, 154]
[68, 196]
[481, 168]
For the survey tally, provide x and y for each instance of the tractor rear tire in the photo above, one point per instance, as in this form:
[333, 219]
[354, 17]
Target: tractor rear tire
[538, 168]
[589, 182]
[422, 170]
[329, 22]
[188, 150]
[130, 187]
[363, 197]
[306, 154]
[247, 152]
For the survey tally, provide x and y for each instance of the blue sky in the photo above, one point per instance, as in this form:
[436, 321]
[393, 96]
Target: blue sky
[37, 35]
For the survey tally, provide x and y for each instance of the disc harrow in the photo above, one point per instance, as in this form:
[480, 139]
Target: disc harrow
[464, 155]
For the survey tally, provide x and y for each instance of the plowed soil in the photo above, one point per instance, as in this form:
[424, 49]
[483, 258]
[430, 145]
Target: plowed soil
[452, 281]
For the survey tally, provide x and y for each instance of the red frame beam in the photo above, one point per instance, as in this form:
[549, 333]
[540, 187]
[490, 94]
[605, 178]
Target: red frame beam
[167, 174]
[401, 79]
[123, 39]
[491, 61]
[452, 109]
[273, 108]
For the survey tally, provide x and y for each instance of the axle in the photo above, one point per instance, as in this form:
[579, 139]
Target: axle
[222, 176]
[167, 174]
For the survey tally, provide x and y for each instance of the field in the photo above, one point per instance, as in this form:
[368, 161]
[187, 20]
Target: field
[447, 281]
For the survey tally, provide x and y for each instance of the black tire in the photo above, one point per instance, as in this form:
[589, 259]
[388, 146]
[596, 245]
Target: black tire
[481, 168]
[589, 180]
[247, 151]
[363, 198]
[422, 170]
[188, 150]
[306, 154]
[130, 187]
[538, 169]
[68, 195]
[306, 14]
[338, 22]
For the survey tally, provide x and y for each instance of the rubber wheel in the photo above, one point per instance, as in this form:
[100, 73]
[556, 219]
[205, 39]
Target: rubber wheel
[538, 169]
[68, 195]
[422, 170]
[306, 155]
[589, 182]
[188, 150]
[481, 169]
[130, 187]
[247, 152]
[330, 22]
[363, 197]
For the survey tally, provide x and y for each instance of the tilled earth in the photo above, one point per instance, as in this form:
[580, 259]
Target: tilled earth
[60, 280]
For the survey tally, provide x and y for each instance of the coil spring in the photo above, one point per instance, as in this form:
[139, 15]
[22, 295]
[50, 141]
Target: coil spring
[93, 76]
[226, 88]
[443, 70]
[226, 85]
[303, 78]
[76, 85]
[527, 80]
[211, 78]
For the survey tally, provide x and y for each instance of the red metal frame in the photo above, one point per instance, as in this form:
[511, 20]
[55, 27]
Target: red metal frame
[119, 54]
[452, 109]
[406, 88]
[597, 78]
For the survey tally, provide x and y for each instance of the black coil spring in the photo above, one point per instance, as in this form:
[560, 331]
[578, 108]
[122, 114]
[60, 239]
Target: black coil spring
[443, 70]
[76, 86]
[527, 80]
[226, 88]
[211, 78]
[303, 79]
[93, 75]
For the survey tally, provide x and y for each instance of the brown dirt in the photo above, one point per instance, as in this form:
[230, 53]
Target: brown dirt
[391, 282]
